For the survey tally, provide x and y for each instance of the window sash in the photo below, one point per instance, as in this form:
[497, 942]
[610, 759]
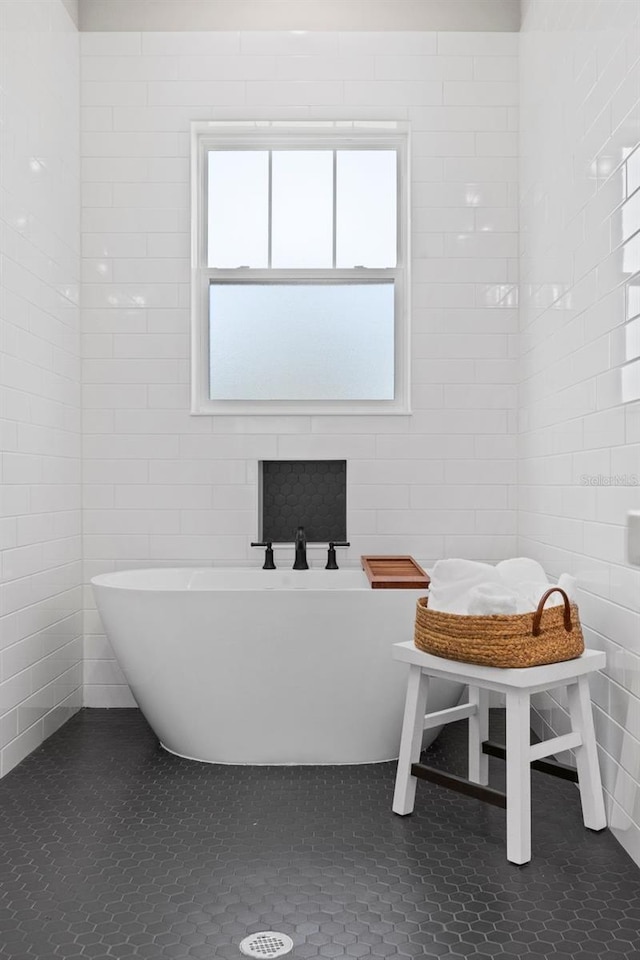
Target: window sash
[331, 149]
[365, 316]
[328, 137]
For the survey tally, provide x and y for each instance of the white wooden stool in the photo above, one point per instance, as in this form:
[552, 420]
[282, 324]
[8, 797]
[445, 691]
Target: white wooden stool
[520, 754]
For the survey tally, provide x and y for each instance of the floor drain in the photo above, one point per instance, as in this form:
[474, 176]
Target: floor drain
[266, 944]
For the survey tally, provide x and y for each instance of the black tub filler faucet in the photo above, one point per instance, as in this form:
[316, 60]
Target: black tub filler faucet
[300, 562]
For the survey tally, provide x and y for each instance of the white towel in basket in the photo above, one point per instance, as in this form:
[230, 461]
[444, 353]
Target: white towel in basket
[487, 599]
[451, 581]
[520, 570]
[479, 589]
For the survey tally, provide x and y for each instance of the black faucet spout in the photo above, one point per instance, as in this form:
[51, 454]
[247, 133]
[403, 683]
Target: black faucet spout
[300, 562]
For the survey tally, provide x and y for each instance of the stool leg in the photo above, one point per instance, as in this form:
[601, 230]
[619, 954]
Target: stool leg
[518, 777]
[478, 733]
[411, 740]
[593, 812]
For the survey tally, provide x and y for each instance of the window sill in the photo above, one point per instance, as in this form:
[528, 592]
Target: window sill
[303, 408]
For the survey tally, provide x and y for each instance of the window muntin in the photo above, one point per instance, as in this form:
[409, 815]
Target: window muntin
[336, 216]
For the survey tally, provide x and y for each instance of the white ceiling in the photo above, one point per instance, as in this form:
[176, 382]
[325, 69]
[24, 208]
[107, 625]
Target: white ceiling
[378, 15]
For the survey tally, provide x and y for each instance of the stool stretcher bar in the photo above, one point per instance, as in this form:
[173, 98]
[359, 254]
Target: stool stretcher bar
[556, 745]
[459, 784]
[496, 797]
[449, 715]
[552, 767]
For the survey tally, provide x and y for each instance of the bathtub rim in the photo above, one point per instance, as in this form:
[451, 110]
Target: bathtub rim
[106, 581]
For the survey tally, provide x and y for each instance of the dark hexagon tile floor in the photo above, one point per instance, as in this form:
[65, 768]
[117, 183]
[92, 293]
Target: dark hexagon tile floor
[112, 848]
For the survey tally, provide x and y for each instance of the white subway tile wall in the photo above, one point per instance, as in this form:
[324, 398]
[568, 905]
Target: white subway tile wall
[164, 487]
[40, 421]
[579, 406]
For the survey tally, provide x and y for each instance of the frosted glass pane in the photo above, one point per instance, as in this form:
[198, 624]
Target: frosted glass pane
[366, 208]
[238, 208]
[302, 341]
[302, 208]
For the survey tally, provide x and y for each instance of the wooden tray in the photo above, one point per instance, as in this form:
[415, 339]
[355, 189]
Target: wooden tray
[394, 573]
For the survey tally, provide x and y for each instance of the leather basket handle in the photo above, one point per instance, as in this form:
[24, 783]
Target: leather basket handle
[537, 617]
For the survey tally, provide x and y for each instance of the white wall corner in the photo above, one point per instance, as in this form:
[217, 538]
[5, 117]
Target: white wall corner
[73, 9]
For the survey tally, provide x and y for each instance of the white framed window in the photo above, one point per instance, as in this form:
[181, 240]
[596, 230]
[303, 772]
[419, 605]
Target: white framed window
[300, 268]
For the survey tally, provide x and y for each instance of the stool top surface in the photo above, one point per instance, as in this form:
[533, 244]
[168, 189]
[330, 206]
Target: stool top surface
[500, 677]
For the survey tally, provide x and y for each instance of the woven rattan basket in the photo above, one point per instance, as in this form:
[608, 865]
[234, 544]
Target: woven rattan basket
[519, 640]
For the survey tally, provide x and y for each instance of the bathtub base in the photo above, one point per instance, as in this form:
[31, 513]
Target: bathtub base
[231, 763]
[429, 737]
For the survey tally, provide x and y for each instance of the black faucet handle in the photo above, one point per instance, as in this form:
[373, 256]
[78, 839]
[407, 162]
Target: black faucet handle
[269, 562]
[332, 561]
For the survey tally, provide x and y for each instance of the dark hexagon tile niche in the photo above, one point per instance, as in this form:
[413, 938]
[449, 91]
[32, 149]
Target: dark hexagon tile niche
[112, 848]
[308, 493]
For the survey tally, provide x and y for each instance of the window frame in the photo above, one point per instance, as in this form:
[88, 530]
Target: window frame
[265, 135]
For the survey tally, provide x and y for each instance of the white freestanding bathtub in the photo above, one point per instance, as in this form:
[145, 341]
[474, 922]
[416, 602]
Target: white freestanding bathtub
[264, 666]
